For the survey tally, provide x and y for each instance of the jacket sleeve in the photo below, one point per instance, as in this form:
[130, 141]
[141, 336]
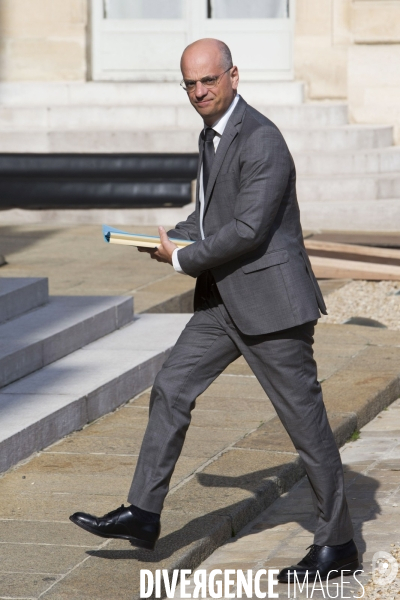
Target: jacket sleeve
[265, 167]
[185, 230]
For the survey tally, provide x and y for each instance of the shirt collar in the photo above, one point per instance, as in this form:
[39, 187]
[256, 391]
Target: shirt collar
[219, 126]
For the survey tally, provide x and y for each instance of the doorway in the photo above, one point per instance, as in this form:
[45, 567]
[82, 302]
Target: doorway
[142, 40]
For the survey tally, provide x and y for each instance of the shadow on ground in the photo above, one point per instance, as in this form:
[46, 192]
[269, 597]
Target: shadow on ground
[364, 508]
[14, 239]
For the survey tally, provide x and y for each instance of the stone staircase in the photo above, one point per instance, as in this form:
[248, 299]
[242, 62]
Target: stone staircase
[348, 175]
[65, 361]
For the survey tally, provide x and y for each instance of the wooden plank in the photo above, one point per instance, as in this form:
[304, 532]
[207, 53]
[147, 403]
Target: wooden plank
[352, 249]
[352, 252]
[335, 268]
[382, 239]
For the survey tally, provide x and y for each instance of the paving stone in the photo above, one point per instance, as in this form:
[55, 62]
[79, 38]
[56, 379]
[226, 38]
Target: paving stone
[214, 446]
[239, 367]
[356, 467]
[171, 294]
[382, 427]
[56, 506]
[355, 334]
[124, 439]
[270, 436]
[100, 444]
[140, 400]
[37, 485]
[241, 420]
[26, 585]
[77, 464]
[366, 393]
[253, 406]
[224, 387]
[45, 532]
[395, 453]
[331, 357]
[119, 420]
[38, 558]
[378, 434]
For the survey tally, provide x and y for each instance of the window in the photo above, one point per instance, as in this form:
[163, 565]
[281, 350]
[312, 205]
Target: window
[250, 9]
[143, 9]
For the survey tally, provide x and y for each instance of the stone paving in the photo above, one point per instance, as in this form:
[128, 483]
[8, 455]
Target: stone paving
[237, 460]
[280, 535]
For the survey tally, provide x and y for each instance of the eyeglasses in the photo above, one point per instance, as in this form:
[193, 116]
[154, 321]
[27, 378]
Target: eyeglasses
[209, 82]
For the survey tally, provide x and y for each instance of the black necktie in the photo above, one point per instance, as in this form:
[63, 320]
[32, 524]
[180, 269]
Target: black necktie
[208, 155]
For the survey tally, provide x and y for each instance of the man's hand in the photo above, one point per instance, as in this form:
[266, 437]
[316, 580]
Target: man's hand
[164, 251]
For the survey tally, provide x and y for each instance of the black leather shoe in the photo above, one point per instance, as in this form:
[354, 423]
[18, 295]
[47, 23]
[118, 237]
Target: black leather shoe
[120, 524]
[323, 559]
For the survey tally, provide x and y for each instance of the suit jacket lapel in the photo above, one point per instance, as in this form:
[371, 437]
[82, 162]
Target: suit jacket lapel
[231, 131]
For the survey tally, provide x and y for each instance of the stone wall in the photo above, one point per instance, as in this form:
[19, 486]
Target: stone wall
[322, 38]
[43, 40]
[374, 63]
[350, 50]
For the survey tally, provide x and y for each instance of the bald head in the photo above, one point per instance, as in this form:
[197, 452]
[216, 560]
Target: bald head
[210, 78]
[216, 49]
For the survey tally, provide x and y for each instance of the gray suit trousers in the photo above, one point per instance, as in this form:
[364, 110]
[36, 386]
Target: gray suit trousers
[284, 365]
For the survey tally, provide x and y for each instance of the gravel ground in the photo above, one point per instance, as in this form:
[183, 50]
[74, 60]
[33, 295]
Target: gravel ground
[376, 591]
[379, 300]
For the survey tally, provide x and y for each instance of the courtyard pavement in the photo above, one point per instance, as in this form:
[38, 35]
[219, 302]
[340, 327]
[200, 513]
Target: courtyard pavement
[237, 460]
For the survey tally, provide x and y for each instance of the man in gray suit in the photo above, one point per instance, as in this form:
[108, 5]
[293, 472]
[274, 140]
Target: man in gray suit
[256, 296]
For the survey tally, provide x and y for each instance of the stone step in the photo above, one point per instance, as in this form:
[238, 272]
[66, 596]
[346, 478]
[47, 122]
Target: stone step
[353, 188]
[377, 160]
[136, 93]
[95, 117]
[335, 139]
[66, 395]
[327, 139]
[344, 215]
[306, 115]
[19, 295]
[66, 323]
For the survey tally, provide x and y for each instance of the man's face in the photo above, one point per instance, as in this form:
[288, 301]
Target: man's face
[199, 62]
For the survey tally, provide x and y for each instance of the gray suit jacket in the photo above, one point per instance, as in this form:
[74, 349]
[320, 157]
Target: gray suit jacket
[254, 245]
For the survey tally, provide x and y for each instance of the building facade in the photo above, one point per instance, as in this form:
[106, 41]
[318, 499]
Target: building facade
[342, 49]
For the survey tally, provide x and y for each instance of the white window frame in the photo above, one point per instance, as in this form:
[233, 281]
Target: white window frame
[193, 26]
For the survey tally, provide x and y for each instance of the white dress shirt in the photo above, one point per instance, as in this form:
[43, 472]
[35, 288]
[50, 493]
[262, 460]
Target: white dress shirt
[219, 128]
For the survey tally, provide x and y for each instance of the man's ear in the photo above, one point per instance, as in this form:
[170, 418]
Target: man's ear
[235, 77]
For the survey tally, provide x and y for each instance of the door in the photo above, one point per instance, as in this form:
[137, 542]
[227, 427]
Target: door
[142, 40]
